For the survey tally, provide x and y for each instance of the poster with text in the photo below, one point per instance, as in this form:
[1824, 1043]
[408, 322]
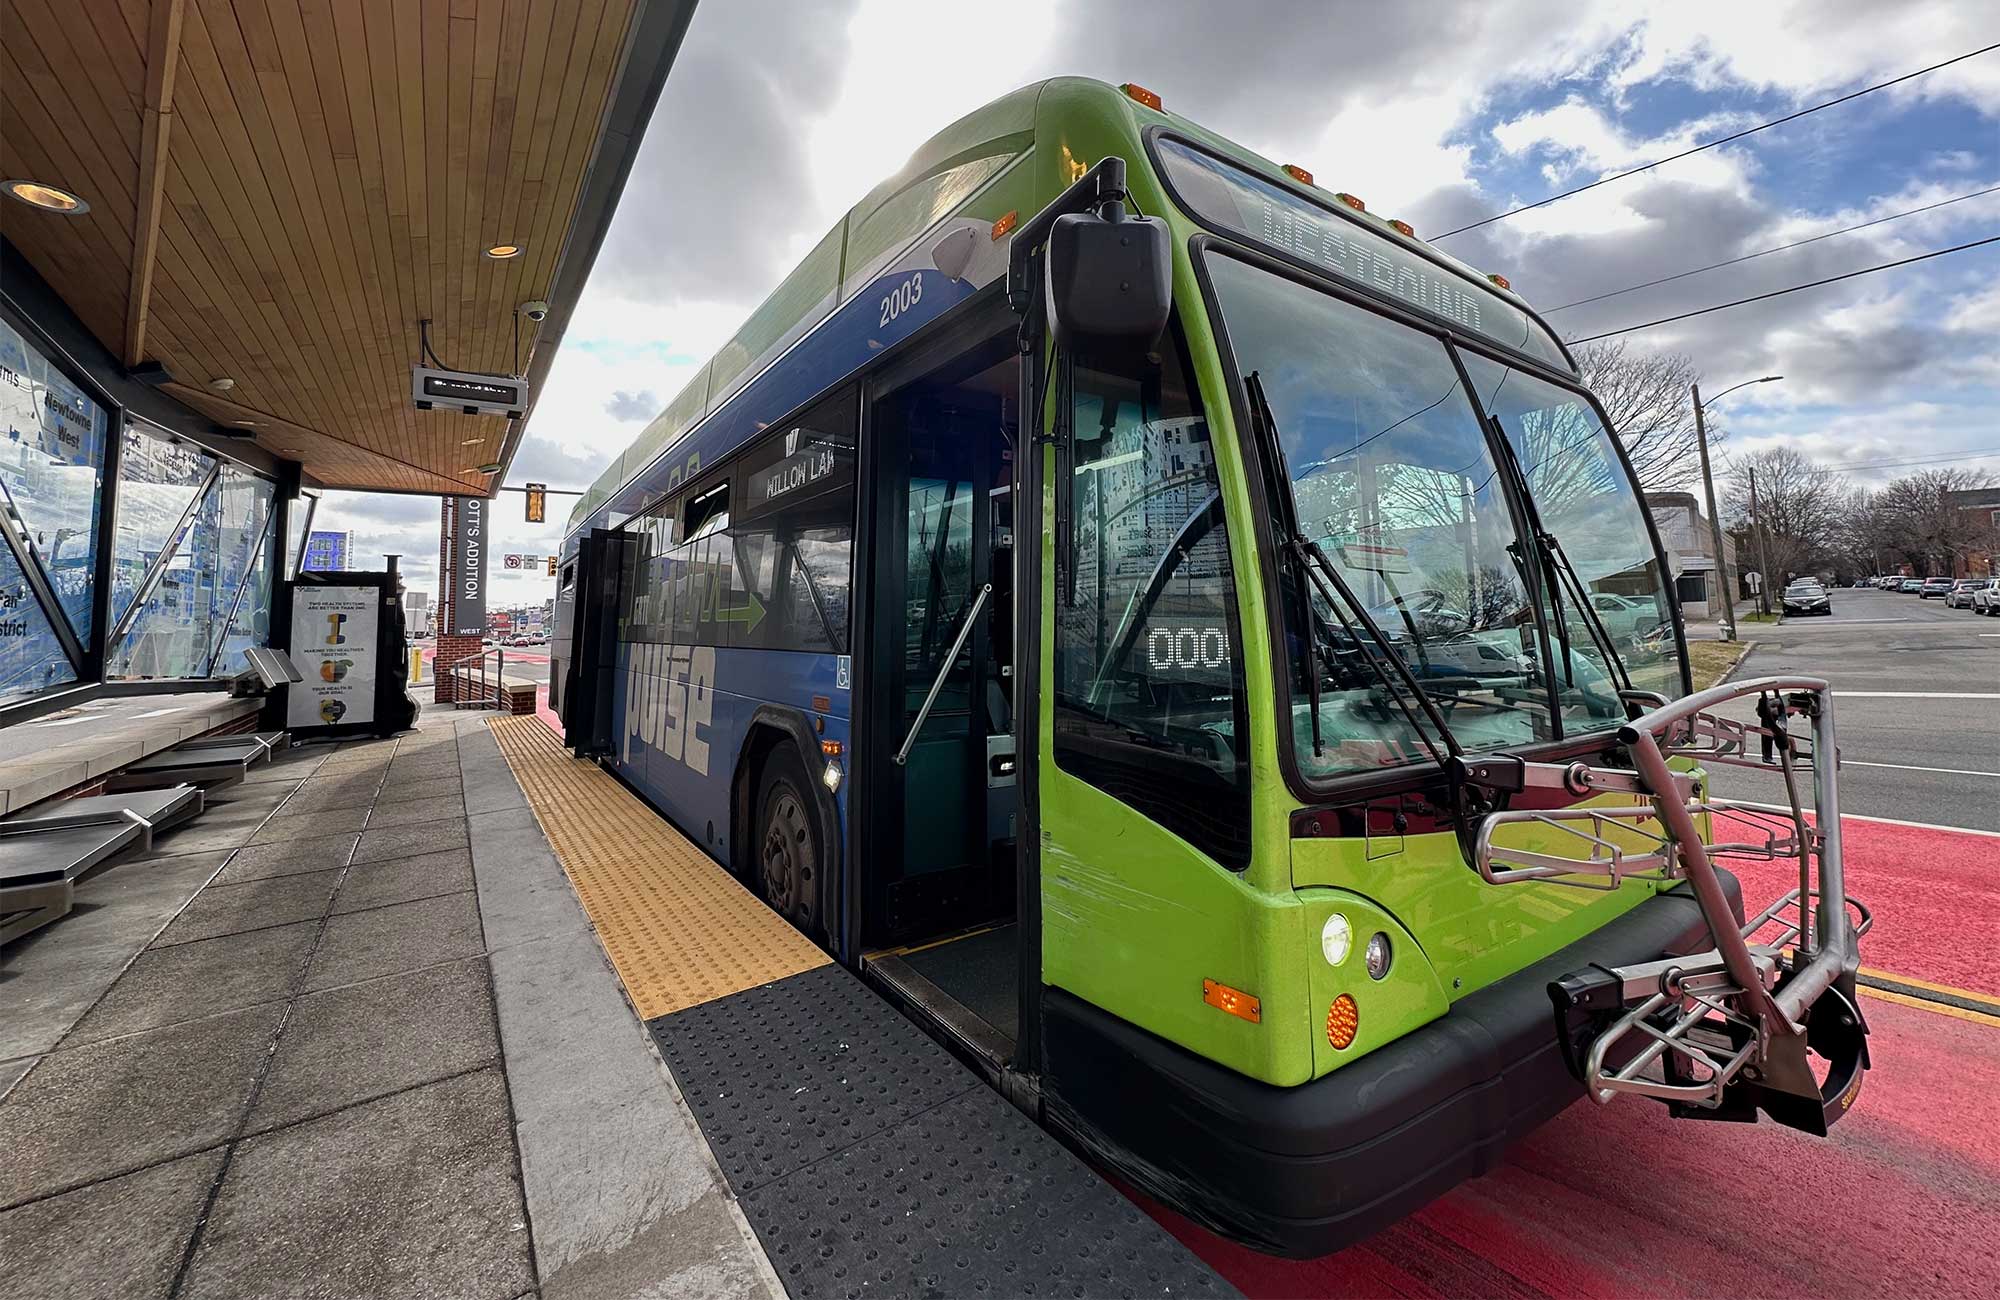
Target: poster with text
[334, 646]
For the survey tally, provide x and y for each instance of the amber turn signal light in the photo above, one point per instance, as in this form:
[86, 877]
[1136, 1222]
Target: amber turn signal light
[1343, 1021]
[1236, 1002]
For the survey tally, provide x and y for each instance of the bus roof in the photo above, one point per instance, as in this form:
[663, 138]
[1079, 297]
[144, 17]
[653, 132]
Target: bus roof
[946, 171]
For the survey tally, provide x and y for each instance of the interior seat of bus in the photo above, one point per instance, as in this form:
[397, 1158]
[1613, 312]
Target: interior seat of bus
[938, 888]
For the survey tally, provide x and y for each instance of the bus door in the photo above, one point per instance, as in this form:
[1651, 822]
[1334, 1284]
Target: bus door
[942, 855]
[602, 579]
[562, 638]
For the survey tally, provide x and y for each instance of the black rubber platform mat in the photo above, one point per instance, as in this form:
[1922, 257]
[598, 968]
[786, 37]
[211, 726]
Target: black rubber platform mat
[870, 1163]
[788, 1073]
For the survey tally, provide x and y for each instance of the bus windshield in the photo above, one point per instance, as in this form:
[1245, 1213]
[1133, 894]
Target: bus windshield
[1394, 477]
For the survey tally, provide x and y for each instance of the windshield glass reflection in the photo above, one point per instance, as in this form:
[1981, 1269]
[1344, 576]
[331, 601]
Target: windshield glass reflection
[1393, 478]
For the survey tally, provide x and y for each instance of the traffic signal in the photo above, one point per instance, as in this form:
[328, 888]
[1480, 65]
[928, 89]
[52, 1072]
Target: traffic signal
[538, 503]
[552, 566]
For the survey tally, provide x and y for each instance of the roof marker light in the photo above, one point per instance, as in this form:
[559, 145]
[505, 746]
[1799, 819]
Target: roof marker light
[1298, 173]
[1351, 201]
[1402, 228]
[1140, 94]
[1005, 225]
[1500, 280]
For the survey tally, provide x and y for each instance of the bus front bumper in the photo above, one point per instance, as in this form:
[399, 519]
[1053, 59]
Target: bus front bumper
[1307, 1170]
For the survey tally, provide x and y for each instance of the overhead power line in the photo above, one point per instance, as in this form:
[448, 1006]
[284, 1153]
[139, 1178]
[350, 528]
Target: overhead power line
[1925, 460]
[1712, 144]
[1779, 293]
[1766, 252]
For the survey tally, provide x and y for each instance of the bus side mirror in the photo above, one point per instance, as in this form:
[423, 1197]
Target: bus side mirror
[1109, 281]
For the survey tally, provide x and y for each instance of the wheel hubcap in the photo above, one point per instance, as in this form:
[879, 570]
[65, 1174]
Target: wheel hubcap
[787, 853]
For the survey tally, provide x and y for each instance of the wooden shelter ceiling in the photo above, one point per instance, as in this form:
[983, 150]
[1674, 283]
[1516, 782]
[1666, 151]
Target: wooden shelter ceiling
[280, 190]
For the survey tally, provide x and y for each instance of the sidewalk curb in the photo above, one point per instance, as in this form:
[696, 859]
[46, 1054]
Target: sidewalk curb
[1743, 657]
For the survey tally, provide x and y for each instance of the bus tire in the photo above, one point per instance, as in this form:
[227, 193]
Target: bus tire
[788, 856]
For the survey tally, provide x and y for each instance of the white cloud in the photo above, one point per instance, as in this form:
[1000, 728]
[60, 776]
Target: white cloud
[778, 116]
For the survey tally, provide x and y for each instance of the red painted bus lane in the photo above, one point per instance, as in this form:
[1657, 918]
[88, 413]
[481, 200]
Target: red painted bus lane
[1928, 887]
[1616, 1201]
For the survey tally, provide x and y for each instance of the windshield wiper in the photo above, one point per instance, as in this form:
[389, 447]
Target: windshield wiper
[1312, 564]
[1565, 583]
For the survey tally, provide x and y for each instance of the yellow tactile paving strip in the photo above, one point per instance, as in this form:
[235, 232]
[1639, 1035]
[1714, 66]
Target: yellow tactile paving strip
[678, 929]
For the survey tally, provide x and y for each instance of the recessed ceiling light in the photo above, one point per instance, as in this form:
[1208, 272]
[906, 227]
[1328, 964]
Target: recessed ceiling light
[501, 252]
[244, 424]
[222, 385]
[288, 451]
[493, 468]
[471, 442]
[46, 197]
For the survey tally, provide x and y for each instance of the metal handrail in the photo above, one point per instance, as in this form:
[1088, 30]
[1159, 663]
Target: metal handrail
[944, 671]
[459, 671]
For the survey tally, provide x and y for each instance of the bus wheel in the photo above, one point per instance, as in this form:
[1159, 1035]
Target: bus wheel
[788, 852]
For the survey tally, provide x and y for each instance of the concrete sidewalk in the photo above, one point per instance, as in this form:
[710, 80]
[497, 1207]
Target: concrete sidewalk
[348, 1033]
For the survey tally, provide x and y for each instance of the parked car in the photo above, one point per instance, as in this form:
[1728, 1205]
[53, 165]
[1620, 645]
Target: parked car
[1960, 595]
[1911, 586]
[1629, 621]
[1986, 597]
[1934, 587]
[1807, 598]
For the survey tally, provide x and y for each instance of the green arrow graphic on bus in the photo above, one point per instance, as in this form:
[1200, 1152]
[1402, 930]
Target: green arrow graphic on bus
[750, 615]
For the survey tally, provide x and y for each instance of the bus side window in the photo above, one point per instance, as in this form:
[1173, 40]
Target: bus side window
[1148, 669]
[794, 530]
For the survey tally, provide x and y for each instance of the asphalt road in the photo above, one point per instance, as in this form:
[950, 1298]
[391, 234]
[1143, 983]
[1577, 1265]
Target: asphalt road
[1916, 703]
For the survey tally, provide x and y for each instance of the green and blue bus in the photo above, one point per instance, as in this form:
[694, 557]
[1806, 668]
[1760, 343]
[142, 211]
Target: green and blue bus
[1135, 606]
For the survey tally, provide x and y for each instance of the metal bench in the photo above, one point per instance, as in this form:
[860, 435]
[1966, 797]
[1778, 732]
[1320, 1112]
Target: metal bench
[208, 760]
[44, 851]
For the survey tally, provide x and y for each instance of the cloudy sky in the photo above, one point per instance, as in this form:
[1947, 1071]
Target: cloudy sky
[779, 114]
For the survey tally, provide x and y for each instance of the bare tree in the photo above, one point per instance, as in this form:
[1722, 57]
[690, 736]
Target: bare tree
[1922, 520]
[1800, 509]
[1647, 396]
[1859, 536]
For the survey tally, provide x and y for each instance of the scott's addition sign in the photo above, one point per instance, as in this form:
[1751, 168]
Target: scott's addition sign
[468, 545]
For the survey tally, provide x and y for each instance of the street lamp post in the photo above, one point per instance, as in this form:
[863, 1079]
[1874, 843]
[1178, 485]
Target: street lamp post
[1725, 580]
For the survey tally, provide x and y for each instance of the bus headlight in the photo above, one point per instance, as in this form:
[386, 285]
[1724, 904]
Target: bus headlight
[1378, 956]
[1336, 939]
[831, 778]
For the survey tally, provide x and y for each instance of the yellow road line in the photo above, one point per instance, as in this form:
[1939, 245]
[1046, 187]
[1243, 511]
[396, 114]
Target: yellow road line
[1914, 982]
[1924, 1004]
[679, 930]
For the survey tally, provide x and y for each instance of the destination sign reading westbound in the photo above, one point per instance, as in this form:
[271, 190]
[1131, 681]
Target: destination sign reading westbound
[1229, 198]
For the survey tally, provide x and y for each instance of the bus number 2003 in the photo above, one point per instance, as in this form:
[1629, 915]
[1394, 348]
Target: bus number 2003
[905, 296]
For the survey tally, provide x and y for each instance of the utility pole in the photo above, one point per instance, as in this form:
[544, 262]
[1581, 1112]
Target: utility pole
[1725, 582]
[1763, 553]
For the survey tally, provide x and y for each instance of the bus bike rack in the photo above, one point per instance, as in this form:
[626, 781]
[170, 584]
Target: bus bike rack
[1729, 1028]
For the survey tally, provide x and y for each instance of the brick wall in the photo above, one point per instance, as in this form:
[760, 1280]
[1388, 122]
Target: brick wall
[451, 647]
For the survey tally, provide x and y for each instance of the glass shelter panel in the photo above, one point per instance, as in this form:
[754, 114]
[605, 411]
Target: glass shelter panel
[170, 635]
[31, 659]
[194, 623]
[52, 472]
[157, 481]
